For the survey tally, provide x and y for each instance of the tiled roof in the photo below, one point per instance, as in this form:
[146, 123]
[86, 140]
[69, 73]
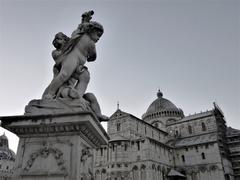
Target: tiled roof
[118, 138]
[232, 131]
[196, 116]
[194, 140]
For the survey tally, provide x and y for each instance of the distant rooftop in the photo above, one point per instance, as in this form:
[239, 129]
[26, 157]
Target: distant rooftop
[194, 140]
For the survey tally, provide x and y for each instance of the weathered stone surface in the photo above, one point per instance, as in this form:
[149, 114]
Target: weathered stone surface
[56, 146]
[58, 132]
[71, 76]
[53, 106]
[165, 145]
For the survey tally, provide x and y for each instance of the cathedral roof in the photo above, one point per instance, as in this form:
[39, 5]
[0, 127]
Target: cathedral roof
[119, 114]
[174, 173]
[232, 132]
[207, 113]
[194, 140]
[118, 138]
[163, 106]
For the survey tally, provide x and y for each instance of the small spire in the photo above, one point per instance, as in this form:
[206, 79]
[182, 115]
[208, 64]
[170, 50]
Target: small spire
[159, 94]
[4, 135]
[118, 105]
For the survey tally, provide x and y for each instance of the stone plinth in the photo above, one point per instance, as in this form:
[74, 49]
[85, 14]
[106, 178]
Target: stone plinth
[55, 146]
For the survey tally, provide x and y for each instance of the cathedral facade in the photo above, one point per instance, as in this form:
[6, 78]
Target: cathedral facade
[166, 145]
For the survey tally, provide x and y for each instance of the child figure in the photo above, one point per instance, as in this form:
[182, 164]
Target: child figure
[74, 54]
[67, 90]
[83, 39]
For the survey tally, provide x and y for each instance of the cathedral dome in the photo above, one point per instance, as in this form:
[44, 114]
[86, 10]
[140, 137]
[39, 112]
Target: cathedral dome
[161, 104]
[162, 107]
[5, 152]
[4, 137]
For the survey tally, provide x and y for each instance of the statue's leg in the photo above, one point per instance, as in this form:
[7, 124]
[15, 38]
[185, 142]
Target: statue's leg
[83, 81]
[68, 67]
[90, 97]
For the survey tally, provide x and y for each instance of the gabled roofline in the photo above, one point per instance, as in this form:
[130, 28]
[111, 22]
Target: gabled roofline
[217, 109]
[193, 117]
[148, 124]
[132, 116]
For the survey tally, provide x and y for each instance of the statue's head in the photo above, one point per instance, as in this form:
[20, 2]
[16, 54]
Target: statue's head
[93, 28]
[60, 40]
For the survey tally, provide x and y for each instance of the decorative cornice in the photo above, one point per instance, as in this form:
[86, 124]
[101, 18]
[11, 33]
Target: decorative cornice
[45, 125]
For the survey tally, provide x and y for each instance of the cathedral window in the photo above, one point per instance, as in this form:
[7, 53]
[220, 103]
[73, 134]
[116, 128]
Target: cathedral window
[189, 129]
[203, 156]
[138, 145]
[125, 147]
[101, 152]
[204, 128]
[118, 126]
[176, 132]
[183, 158]
[196, 148]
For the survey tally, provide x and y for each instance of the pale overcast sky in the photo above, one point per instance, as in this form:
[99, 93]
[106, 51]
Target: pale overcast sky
[187, 48]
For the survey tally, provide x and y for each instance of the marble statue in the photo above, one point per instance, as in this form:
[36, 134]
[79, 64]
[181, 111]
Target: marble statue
[58, 132]
[70, 75]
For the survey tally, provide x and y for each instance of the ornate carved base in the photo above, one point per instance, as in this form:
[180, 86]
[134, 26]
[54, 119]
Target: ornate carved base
[57, 146]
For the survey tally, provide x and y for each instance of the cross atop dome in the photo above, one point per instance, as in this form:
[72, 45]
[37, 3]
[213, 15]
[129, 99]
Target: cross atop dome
[159, 94]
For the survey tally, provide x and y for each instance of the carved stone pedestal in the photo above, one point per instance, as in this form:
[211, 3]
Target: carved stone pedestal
[57, 146]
